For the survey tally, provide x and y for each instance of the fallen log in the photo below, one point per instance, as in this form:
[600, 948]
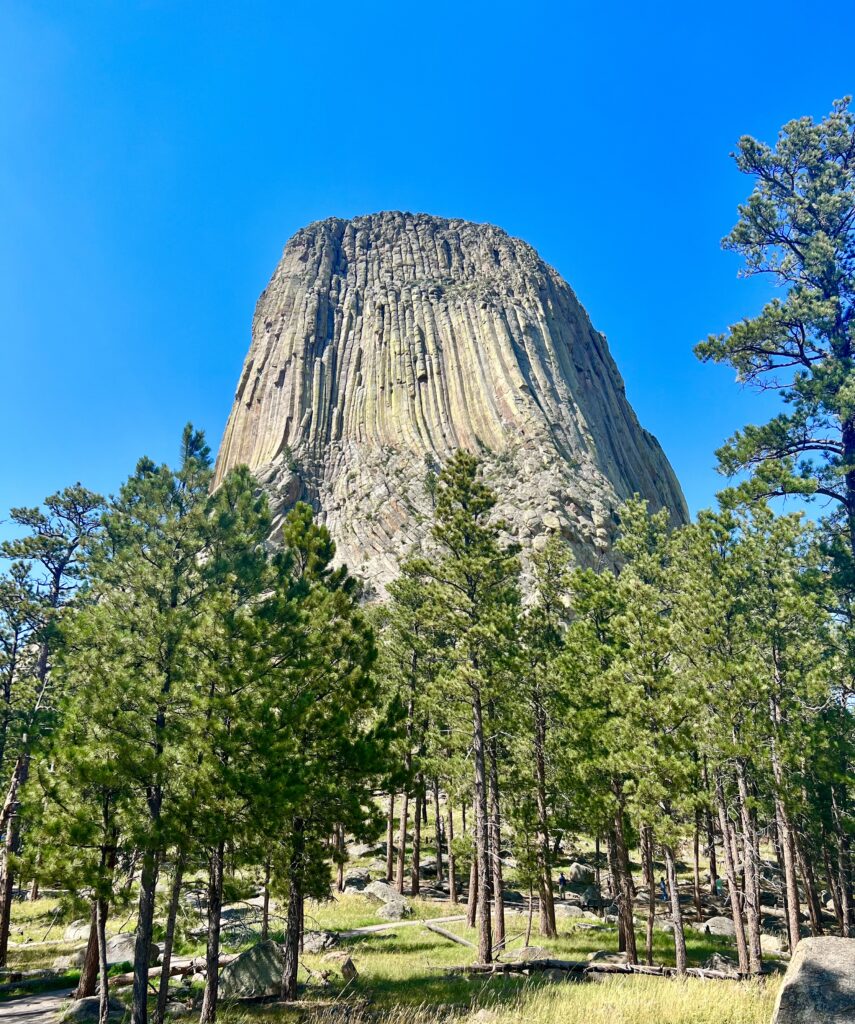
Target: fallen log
[449, 935]
[182, 966]
[585, 967]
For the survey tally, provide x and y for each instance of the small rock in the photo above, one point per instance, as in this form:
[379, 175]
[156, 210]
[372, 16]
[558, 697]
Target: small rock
[603, 956]
[348, 970]
[534, 953]
[318, 942]
[76, 931]
[176, 1009]
[395, 910]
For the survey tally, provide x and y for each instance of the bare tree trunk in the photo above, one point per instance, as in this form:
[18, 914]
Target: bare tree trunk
[548, 927]
[650, 882]
[751, 872]
[832, 884]
[472, 894]
[415, 867]
[496, 846]
[212, 953]
[142, 945]
[626, 890]
[87, 985]
[402, 841]
[265, 903]
[809, 879]
[676, 912]
[437, 825]
[732, 887]
[696, 867]
[710, 830]
[294, 922]
[103, 978]
[843, 867]
[452, 877]
[390, 840]
[169, 939]
[482, 839]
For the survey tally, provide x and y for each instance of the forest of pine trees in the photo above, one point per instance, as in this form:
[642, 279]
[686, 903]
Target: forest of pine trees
[180, 698]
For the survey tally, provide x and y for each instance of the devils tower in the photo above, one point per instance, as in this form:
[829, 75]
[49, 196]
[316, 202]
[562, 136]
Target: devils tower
[384, 343]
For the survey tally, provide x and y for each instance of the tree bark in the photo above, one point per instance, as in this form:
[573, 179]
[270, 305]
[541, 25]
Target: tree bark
[452, 877]
[482, 839]
[623, 881]
[265, 904]
[548, 928]
[650, 882]
[496, 849]
[402, 841]
[415, 863]
[805, 864]
[437, 824]
[831, 880]
[294, 922]
[696, 867]
[732, 886]
[676, 913]
[103, 979]
[88, 982]
[212, 954]
[142, 946]
[169, 939]
[472, 894]
[390, 840]
[751, 872]
[710, 830]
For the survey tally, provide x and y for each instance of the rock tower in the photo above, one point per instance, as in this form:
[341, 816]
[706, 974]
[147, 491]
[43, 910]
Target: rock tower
[384, 343]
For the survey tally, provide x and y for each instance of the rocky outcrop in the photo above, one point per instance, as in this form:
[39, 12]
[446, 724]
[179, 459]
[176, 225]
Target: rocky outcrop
[384, 343]
[819, 985]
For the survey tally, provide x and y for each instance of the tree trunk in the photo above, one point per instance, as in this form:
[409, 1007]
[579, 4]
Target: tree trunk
[831, 880]
[805, 864]
[294, 923]
[472, 894]
[142, 946]
[482, 838]
[732, 886]
[843, 867]
[676, 912]
[548, 928]
[437, 824]
[452, 877]
[650, 882]
[341, 857]
[710, 830]
[212, 954]
[751, 872]
[496, 848]
[402, 841]
[626, 890]
[696, 867]
[390, 840]
[415, 864]
[265, 903]
[103, 978]
[88, 982]
[169, 939]
[463, 816]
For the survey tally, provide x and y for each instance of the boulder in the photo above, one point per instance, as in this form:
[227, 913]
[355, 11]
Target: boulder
[716, 926]
[318, 942]
[604, 956]
[427, 867]
[381, 892]
[718, 962]
[120, 949]
[395, 910]
[534, 953]
[88, 1010]
[771, 944]
[591, 897]
[568, 910]
[356, 879]
[74, 959]
[578, 873]
[176, 1009]
[76, 931]
[819, 985]
[257, 972]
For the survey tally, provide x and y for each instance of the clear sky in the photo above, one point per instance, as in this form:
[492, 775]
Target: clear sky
[155, 156]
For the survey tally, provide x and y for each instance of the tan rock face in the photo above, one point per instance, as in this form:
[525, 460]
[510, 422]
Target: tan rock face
[384, 343]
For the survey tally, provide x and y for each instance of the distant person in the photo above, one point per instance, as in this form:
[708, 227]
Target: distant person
[663, 890]
[719, 887]
[562, 885]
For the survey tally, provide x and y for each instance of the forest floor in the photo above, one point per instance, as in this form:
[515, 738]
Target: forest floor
[403, 979]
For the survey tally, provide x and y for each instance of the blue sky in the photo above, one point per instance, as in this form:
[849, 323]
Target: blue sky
[155, 157]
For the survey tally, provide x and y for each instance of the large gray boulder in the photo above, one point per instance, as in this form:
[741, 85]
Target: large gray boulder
[579, 873]
[257, 972]
[722, 926]
[120, 949]
[395, 910]
[86, 1010]
[355, 879]
[76, 931]
[381, 892]
[819, 986]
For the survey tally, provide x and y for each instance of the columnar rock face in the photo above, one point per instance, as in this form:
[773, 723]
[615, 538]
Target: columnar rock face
[384, 343]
